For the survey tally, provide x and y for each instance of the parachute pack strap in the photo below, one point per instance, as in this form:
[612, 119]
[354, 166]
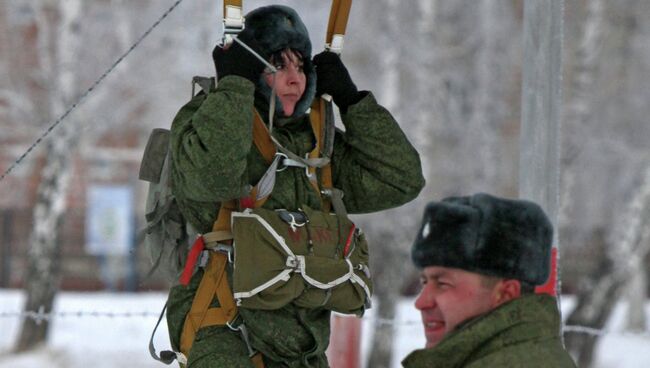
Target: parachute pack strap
[222, 223]
[268, 147]
[212, 284]
[262, 138]
[217, 236]
[318, 116]
[258, 361]
[166, 356]
[337, 24]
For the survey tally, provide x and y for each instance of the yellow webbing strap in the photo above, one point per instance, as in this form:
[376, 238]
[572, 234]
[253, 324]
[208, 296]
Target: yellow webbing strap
[317, 117]
[226, 3]
[264, 144]
[338, 20]
[200, 315]
[262, 139]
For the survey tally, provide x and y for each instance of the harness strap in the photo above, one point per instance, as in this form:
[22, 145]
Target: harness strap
[262, 139]
[337, 24]
[212, 284]
[268, 146]
[318, 115]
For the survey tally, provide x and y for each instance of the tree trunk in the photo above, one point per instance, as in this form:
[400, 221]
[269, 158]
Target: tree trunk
[43, 273]
[388, 279]
[385, 271]
[636, 297]
[597, 298]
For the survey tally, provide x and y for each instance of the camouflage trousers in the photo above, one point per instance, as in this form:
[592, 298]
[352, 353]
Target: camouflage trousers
[289, 337]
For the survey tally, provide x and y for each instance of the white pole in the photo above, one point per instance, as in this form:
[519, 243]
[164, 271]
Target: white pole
[541, 104]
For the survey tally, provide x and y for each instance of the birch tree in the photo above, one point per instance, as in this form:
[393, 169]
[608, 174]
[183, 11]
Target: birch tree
[387, 253]
[625, 252]
[601, 89]
[59, 19]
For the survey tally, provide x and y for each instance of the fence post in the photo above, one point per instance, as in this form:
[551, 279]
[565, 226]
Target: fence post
[345, 342]
[5, 248]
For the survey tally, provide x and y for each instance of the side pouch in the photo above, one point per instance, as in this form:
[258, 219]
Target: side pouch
[165, 236]
[346, 257]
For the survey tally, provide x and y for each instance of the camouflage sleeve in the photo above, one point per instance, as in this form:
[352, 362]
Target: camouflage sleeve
[211, 138]
[373, 161]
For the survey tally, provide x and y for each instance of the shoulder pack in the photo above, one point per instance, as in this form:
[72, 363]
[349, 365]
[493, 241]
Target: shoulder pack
[167, 235]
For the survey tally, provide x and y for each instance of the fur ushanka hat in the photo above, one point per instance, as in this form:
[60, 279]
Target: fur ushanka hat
[486, 235]
[275, 28]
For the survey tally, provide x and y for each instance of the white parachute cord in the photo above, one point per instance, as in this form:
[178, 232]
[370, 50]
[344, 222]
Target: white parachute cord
[265, 62]
[272, 70]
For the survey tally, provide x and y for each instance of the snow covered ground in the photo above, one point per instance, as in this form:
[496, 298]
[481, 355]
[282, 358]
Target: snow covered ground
[118, 334]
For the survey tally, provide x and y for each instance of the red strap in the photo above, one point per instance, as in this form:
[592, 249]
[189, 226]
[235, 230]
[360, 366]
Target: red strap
[349, 241]
[192, 257]
[550, 287]
[246, 202]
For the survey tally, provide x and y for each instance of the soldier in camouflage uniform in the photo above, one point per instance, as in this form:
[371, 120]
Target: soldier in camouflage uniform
[373, 163]
[481, 257]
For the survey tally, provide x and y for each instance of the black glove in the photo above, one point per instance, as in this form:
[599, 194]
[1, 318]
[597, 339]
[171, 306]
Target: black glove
[236, 60]
[332, 77]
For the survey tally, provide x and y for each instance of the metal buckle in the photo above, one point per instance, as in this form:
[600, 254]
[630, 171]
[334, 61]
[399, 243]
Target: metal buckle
[294, 263]
[282, 158]
[225, 248]
[307, 173]
[237, 324]
[233, 23]
[222, 248]
[336, 46]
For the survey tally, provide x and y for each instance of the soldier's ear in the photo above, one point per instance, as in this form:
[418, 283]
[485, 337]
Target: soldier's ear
[504, 291]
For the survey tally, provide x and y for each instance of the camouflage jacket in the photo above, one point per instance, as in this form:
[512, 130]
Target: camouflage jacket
[214, 160]
[521, 333]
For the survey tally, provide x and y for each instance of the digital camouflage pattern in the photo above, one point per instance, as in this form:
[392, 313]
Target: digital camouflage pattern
[523, 333]
[214, 160]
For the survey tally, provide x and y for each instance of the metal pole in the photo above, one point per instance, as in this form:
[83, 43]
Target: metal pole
[541, 113]
[5, 248]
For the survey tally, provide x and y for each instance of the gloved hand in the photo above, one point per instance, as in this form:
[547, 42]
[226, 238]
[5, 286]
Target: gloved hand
[332, 77]
[236, 60]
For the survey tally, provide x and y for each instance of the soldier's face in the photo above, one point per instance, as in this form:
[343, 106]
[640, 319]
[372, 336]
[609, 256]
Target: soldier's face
[290, 81]
[449, 297]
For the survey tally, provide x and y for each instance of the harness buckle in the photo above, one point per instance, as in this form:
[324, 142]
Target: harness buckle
[294, 262]
[233, 23]
[222, 248]
[281, 162]
[307, 173]
[237, 324]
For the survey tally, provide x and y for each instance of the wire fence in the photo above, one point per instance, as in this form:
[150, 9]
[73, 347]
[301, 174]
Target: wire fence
[40, 315]
[82, 98]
